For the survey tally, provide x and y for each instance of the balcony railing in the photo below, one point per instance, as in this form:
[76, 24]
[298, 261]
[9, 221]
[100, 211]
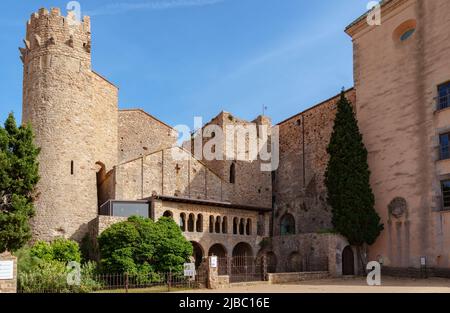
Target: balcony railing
[443, 102]
[444, 152]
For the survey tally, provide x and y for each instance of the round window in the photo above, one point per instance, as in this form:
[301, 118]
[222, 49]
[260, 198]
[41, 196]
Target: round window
[405, 30]
[407, 34]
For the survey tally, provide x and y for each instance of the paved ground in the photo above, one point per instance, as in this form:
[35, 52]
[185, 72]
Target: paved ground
[347, 285]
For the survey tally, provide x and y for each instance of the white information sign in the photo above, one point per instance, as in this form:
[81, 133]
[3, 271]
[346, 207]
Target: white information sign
[423, 261]
[213, 262]
[6, 270]
[189, 269]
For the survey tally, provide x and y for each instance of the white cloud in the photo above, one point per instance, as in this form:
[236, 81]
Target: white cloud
[122, 7]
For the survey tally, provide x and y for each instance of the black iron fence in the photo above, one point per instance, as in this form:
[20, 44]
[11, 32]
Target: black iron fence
[243, 268]
[113, 283]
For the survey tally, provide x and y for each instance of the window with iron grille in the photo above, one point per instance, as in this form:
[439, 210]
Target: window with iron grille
[443, 96]
[446, 194]
[444, 142]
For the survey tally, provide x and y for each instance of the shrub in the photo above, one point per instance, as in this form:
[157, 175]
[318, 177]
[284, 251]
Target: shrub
[37, 275]
[47, 276]
[88, 278]
[62, 250]
[141, 246]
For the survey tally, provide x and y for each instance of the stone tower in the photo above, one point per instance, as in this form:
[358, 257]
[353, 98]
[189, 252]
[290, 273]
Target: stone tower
[74, 113]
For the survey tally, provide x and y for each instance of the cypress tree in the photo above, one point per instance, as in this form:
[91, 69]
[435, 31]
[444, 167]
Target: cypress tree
[347, 179]
[18, 178]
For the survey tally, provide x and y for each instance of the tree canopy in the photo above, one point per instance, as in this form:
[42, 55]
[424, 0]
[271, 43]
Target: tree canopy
[347, 179]
[18, 178]
[140, 245]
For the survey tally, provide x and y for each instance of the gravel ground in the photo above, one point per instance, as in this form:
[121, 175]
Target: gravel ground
[347, 285]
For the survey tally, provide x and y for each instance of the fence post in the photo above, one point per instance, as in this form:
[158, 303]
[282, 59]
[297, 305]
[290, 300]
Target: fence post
[126, 283]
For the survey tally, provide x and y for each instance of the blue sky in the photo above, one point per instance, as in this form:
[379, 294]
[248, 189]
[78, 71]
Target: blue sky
[178, 59]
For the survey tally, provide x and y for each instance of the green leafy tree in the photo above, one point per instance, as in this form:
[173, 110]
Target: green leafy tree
[347, 179]
[142, 246]
[18, 178]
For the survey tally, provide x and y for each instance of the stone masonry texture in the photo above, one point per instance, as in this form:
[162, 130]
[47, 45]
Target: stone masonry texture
[92, 152]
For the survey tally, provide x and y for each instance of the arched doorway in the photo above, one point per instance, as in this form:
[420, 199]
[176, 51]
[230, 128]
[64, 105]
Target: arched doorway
[197, 253]
[287, 225]
[348, 261]
[168, 214]
[294, 263]
[242, 249]
[271, 260]
[221, 252]
[218, 250]
[243, 265]
[101, 176]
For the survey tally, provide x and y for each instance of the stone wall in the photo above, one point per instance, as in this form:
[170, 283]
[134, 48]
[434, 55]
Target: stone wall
[169, 172]
[10, 285]
[140, 133]
[413, 272]
[396, 84]
[201, 233]
[205, 238]
[306, 253]
[252, 185]
[298, 185]
[283, 278]
[73, 112]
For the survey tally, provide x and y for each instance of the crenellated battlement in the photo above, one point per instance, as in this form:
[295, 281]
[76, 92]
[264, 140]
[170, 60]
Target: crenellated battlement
[54, 17]
[51, 30]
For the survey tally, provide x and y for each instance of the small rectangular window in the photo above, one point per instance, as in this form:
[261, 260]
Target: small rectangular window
[444, 141]
[71, 167]
[443, 96]
[446, 194]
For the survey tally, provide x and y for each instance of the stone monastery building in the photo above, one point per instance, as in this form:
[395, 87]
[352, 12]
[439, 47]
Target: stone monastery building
[100, 164]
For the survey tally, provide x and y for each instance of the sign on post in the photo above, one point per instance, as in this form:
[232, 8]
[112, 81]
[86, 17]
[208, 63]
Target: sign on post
[189, 269]
[6, 270]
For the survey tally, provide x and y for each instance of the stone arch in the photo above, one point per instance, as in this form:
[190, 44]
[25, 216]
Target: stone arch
[211, 224]
[198, 253]
[348, 261]
[233, 173]
[224, 225]
[199, 223]
[242, 249]
[220, 251]
[294, 262]
[242, 226]
[191, 222]
[248, 227]
[183, 222]
[168, 214]
[287, 225]
[217, 225]
[272, 262]
[242, 261]
[100, 176]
